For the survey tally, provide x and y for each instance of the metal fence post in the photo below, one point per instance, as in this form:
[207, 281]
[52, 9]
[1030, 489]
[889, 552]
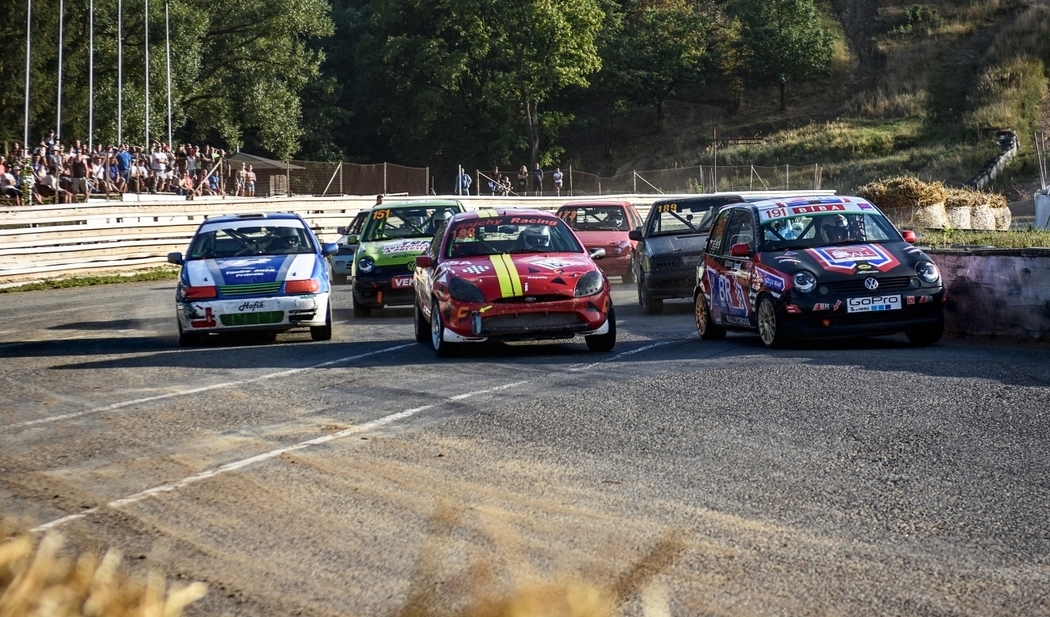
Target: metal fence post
[570, 180]
[384, 178]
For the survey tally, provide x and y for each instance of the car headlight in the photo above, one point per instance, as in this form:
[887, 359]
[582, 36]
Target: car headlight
[927, 271]
[804, 281]
[589, 284]
[465, 291]
[366, 264]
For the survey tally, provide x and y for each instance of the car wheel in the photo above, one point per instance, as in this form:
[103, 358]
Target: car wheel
[628, 277]
[926, 336]
[323, 333]
[188, 339]
[707, 329]
[442, 349]
[421, 327]
[359, 309]
[339, 279]
[650, 305]
[604, 342]
[768, 324]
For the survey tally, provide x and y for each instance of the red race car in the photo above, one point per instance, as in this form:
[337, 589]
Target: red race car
[510, 275]
[605, 224]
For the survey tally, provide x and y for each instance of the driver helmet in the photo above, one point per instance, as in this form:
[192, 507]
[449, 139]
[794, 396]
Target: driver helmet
[835, 228]
[537, 237]
[287, 236]
[616, 217]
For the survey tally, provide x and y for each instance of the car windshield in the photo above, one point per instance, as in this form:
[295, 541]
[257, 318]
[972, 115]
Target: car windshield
[681, 219]
[240, 241]
[595, 218]
[510, 234]
[394, 223]
[826, 229]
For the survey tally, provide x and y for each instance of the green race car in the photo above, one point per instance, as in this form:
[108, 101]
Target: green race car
[386, 257]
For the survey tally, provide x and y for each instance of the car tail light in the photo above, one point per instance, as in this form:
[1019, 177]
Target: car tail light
[306, 286]
[200, 293]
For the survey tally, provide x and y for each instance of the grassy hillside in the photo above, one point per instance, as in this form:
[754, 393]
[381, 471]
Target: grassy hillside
[918, 89]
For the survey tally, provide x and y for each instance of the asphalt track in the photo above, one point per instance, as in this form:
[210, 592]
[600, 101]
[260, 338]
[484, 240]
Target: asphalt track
[844, 478]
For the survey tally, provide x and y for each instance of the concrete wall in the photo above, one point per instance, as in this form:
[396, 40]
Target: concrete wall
[997, 292]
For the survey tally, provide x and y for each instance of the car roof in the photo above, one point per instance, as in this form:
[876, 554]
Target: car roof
[428, 203]
[490, 212]
[591, 204]
[768, 209]
[253, 216]
[720, 199]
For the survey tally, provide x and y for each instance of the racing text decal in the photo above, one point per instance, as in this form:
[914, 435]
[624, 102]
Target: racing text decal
[847, 259]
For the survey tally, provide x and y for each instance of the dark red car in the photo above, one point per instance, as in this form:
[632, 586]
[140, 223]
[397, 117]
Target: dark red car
[606, 225]
[510, 275]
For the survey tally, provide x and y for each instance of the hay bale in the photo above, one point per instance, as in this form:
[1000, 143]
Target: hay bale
[982, 217]
[1003, 218]
[959, 217]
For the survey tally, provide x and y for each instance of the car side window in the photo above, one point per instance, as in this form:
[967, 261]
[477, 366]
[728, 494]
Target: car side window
[741, 228]
[715, 240]
[435, 245]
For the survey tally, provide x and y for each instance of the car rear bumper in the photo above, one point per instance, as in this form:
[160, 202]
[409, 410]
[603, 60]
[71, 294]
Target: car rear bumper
[271, 313]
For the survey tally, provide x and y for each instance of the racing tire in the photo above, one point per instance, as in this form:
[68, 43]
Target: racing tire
[338, 279]
[705, 327]
[323, 333]
[628, 277]
[442, 348]
[650, 305]
[188, 339]
[604, 342]
[926, 336]
[421, 326]
[769, 327]
[360, 310]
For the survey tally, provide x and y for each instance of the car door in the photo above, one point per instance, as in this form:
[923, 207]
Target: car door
[729, 271]
[423, 279]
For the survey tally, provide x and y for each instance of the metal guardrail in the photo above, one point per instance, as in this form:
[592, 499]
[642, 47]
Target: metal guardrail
[62, 240]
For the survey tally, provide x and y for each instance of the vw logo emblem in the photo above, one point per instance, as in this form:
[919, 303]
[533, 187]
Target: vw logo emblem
[871, 284]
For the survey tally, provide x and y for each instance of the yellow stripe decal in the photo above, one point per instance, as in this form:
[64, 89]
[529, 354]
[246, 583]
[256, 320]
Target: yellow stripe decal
[515, 278]
[487, 213]
[505, 288]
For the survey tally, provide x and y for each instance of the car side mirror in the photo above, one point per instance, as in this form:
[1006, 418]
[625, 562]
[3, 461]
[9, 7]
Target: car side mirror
[635, 234]
[742, 249]
[329, 249]
[352, 239]
[175, 258]
[341, 230]
[596, 253]
[424, 261]
[909, 236]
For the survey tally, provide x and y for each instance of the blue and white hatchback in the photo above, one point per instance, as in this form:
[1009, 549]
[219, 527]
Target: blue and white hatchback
[253, 272]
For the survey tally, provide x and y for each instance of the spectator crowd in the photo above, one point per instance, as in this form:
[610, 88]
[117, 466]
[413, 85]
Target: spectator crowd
[61, 173]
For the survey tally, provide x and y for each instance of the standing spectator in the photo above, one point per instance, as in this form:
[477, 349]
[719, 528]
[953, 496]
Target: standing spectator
[138, 176]
[79, 168]
[537, 181]
[124, 164]
[523, 180]
[239, 180]
[191, 160]
[249, 182]
[50, 142]
[557, 181]
[99, 176]
[463, 182]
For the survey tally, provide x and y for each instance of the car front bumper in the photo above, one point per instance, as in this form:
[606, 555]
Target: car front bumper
[384, 290]
[918, 310]
[522, 321]
[275, 313]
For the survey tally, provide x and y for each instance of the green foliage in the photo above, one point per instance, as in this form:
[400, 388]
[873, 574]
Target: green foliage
[920, 18]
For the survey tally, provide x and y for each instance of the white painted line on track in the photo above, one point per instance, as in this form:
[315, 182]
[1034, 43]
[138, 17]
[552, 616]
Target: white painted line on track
[228, 384]
[584, 367]
[211, 473]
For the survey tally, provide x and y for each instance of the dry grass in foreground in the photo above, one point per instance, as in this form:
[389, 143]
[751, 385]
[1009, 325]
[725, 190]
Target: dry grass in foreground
[36, 580]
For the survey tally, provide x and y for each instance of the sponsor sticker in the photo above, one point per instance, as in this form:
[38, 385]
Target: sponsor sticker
[847, 259]
[477, 269]
[252, 306]
[401, 282]
[873, 303]
[410, 246]
[552, 264]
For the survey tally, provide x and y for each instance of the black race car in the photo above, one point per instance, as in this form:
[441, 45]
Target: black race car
[818, 267]
[669, 247]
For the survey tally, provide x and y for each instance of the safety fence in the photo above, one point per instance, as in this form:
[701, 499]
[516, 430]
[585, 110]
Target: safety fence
[698, 179]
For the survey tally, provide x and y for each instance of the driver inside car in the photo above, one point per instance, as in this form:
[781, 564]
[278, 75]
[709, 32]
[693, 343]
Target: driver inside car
[535, 238]
[284, 240]
[834, 229]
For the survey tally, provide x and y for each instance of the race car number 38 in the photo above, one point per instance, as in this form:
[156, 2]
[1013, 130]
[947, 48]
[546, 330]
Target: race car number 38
[874, 303]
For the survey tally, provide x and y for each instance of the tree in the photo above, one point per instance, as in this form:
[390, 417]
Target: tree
[238, 68]
[784, 41]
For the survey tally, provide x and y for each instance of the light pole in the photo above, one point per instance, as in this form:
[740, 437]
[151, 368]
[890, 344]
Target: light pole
[146, 22]
[167, 51]
[29, 47]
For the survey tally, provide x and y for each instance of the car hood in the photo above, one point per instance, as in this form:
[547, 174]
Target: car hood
[692, 244]
[523, 275]
[394, 252]
[250, 270]
[839, 262]
[603, 239]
